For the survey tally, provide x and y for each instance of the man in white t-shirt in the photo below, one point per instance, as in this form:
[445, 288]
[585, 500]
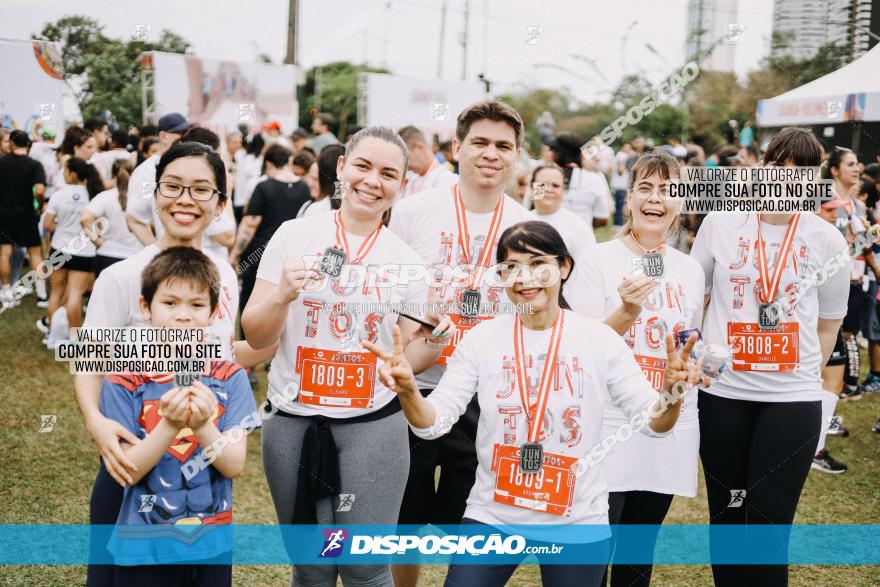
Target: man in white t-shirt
[588, 196]
[139, 209]
[452, 229]
[424, 171]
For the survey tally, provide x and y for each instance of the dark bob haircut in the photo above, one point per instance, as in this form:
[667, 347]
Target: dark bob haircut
[535, 235]
[199, 151]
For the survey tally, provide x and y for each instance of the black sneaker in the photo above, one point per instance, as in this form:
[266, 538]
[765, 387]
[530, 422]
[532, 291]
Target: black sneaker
[825, 463]
[836, 427]
[851, 392]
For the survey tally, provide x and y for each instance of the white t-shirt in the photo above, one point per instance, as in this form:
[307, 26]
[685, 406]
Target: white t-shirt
[596, 369]
[140, 190]
[322, 206]
[325, 313]
[116, 298]
[225, 223]
[577, 234]
[440, 176]
[426, 221]
[587, 195]
[118, 242]
[620, 181]
[663, 465]
[247, 168]
[725, 247]
[67, 204]
[106, 160]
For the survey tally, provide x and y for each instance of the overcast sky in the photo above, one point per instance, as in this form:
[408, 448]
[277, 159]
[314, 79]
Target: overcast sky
[404, 35]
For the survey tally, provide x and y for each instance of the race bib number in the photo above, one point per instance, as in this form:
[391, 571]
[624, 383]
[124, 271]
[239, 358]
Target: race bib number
[654, 369]
[764, 350]
[336, 379]
[464, 324]
[550, 491]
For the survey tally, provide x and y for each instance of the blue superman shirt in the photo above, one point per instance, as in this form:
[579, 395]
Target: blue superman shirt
[178, 510]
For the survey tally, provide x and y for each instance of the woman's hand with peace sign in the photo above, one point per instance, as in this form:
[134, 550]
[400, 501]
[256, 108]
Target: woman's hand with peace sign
[681, 373]
[395, 373]
[680, 367]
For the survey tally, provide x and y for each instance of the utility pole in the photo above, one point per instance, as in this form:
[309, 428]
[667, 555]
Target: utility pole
[464, 40]
[387, 32]
[485, 36]
[292, 38]
[442, 40]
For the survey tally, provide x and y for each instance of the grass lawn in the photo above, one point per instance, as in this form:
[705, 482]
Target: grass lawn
[45, 478]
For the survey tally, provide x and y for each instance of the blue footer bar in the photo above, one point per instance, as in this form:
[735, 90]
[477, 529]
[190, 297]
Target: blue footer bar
[814, 544]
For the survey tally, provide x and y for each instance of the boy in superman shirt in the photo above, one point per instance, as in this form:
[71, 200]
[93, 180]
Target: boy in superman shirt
[167, 517]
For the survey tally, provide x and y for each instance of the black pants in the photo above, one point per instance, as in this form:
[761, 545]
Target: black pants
[455, 453]
[636, 507]
[756, 456]
[104, 509]
[216, 572]
[102, 262]
[552, 575]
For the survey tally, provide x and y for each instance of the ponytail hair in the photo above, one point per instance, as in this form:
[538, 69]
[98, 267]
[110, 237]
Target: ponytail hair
[121, 171]
[535, 235]
[86, 172]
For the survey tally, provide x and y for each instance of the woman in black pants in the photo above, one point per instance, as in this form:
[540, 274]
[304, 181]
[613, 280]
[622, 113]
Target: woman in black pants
[779, 285]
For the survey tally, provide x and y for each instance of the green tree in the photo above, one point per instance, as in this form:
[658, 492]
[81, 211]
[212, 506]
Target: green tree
[338, 94]
[104, 73]
[532, 102]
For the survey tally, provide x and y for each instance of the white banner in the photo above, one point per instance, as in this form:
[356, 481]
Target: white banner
[220, 95]
[31, 88]
[827, 109]
[430, 105]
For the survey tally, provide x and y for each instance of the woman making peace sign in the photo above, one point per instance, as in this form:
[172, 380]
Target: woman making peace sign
[532, 470]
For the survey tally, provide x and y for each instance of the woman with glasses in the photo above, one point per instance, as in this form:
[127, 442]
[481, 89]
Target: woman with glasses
[548, 186]
[542, 377]
[778, 292]
[189, 195]
[644, 289]
[325, 283]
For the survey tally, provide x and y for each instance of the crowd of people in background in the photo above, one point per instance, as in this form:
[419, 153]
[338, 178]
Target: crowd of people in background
[56, 190]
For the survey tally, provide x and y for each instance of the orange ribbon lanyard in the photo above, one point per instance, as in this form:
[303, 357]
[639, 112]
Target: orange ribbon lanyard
[342, 242]
[464, 237]
[645, 249]
[536, 422]
[771, 285]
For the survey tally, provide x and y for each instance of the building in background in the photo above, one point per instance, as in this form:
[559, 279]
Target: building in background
[713, 25]
[809, 24]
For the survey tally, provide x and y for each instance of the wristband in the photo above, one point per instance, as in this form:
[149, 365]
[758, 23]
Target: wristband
[436, 345]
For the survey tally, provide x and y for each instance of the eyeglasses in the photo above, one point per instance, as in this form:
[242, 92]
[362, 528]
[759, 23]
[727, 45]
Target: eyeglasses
[535, 264]
[201, 193]
[646, 191]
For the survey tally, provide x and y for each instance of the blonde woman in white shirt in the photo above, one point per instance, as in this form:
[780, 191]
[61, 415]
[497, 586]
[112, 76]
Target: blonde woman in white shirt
[533, 470]
[642, 303]
[759, 423]
[332, 410]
